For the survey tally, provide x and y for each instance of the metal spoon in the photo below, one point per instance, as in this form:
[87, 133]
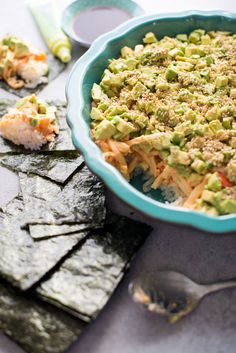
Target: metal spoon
[172, 294]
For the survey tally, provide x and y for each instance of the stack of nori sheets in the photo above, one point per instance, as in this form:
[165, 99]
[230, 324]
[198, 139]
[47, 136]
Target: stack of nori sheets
[58, 244]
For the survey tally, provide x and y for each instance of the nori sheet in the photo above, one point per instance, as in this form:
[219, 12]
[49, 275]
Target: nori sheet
[62, 141]
[85, 281]
[23, 261]
[55, 68]
[81, 200]
[40, 231]
[57, 166]
[37, 327]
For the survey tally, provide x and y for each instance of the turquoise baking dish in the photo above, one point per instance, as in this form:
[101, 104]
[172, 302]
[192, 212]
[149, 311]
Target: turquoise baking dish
[88, 69]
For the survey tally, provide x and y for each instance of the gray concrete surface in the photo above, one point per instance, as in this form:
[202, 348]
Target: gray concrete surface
[124, 326]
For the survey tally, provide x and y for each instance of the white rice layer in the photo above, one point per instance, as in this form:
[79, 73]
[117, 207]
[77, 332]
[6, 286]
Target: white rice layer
[21, 133]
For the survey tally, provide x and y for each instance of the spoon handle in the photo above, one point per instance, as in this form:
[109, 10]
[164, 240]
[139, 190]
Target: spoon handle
[218, 286]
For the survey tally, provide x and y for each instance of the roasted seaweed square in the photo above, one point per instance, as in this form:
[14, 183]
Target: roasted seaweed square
[34, 325]
[57, 167]
[87, 278]
[23, 261]
[81, 200]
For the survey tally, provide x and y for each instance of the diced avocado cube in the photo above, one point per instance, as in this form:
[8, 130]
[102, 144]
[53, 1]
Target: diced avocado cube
[118, 136]
[214, 183]
[185, 66]
[171, 74]
[184, 96]
[186, 128]
[200, 31]
[209, 60]
[104, 130]
[116, 110]
[112, 80]
[162, 85]
[123, 126]
[227, 122]
[215, 125]
[201, 129]
[97, 93]
[117, 65]
[18, 46]
[42, 108]
[103, 106]
[21, 49]
[131, 63]
[33, 122]
[228, 205]
[138, 48]
[190, 115]
[162, 114]
[106, 77]
[138, 90]
[178, 157]
[174, 52]
[96, 114]
[209, 209]
[180, 109]
[126, 51]
[205, 74]
[150, 38]
[194, 51]
[205, 39]
[32, 99]
[189, 51]
[116, 80]
[228, 154]
[199, 166]
[233, 142]
[123, 64]
[213, 113]
[164, 154]
[6, 41]
[161, 142]
[233, 93]
[141, 120]
[221, 81]
[177, 137]
[208, 196]
[194, 37]
[182, 37]
[231, 170]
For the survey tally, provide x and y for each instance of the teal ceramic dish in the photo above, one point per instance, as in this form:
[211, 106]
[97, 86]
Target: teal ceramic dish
[130, 7]
[88, 70]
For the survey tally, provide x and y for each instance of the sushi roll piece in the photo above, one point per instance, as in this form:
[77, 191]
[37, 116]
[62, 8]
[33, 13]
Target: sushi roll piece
[32, 123]
[21, 65]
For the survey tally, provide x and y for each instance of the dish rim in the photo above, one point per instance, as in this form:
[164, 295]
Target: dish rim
[68, 14]
[92, 154]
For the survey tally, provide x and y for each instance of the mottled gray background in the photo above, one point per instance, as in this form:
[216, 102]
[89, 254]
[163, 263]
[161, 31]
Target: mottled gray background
[124, 326]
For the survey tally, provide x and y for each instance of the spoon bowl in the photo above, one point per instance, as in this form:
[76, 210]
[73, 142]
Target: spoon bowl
[172, 294]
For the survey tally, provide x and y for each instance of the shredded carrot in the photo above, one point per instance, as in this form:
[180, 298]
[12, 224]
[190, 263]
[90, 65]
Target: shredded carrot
[133, 164]
[195, 194]
[181, 182]
[149, 160]
[120, 158]
[157, 182]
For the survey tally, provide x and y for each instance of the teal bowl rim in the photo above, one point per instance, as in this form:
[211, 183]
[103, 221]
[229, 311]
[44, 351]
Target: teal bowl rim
[93, 155]
[131, 6]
